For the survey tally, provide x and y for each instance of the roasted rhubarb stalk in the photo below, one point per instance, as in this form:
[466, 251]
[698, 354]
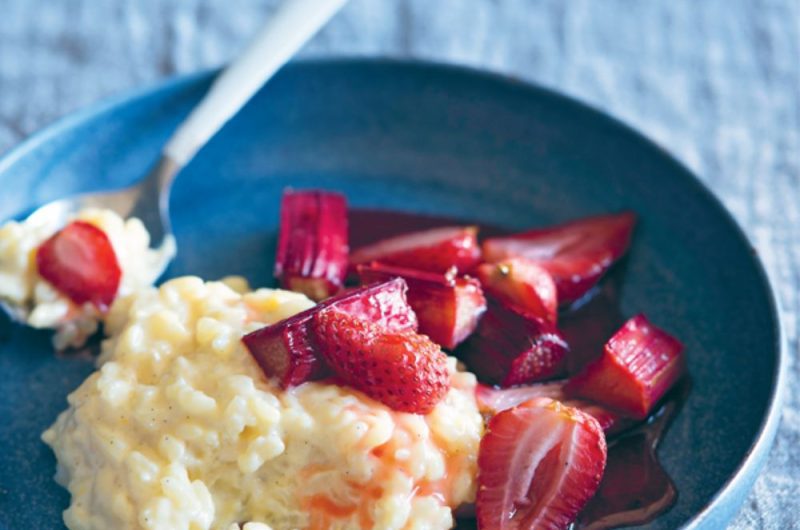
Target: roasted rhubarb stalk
[312, 246]
[576, 254]
[435, 250]
[511, 348]
[448, 308]
[639, 364]
[287, 350]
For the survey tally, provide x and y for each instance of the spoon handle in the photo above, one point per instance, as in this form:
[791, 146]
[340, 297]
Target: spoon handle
[289, 27]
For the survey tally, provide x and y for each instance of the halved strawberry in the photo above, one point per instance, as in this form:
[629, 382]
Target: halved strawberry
[494, 400]
[510, 348]
[435, 250]
[576, 254]
[639, 364]
[521, 282]
[80, 262]
[287, 350]
[403, 370]
[538, 465]
[312, 245]
[448, 308]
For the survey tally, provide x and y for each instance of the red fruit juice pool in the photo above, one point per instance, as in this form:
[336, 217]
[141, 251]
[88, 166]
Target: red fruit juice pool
[635, 488]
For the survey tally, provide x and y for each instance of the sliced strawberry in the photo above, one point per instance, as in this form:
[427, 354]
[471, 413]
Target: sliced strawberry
[286, 350]
[435, 250]
[448, 308]
[521, 282]
[494, 400]
[639, 364]
[576, 254]
[538, 465]
[80, 262]
[312, 246]
[510, 348]
[404, 370]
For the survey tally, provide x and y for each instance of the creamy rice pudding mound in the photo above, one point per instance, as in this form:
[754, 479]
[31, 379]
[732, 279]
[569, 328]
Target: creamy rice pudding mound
[180, 429]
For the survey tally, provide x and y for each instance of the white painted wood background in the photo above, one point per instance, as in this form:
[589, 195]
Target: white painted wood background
[716, 82]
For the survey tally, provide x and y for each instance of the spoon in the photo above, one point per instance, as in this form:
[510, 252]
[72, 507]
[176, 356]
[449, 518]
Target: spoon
[290, 26]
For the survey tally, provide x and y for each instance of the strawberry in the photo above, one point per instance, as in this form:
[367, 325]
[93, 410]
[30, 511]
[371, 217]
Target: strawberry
[287, 350]
[494, 400]
[538, 465]
[312, 245]
[403, 370]
[510, 348]
[435, 250]
[521, 282]
[448, 308]
[639, 364]
[576, 254]
[80, 262]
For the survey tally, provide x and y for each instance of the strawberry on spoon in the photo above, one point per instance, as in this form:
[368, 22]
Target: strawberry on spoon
[538, 464]
[80, 262]
[576, 254]
[403, 370]
[435, 250]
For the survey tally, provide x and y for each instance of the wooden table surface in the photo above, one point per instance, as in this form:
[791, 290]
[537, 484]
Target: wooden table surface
[716, 82]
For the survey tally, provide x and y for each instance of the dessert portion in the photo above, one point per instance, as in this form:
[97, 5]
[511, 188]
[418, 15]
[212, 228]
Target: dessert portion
[218, 407]
[180, 429]
[65, 278]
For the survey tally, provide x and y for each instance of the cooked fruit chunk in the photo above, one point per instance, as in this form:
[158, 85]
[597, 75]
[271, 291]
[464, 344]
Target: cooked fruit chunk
[538, 465]
[510, 348]
[287, 350]
[80, 262]
[521, 282]
[448, 308]
[435, 250]
[639, 364]
[494, 400]
[404, 370]
[576, 254]
[312, 245]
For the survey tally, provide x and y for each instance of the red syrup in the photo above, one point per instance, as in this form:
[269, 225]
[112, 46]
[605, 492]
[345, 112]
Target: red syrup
[635, 488]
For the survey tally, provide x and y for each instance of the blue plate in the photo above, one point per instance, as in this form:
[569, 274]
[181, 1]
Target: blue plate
[429, 139]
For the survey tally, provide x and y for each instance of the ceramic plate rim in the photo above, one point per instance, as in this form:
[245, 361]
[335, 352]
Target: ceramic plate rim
[755, 457]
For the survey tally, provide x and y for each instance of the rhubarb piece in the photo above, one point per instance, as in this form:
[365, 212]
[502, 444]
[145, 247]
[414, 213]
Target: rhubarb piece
[510, 348]
[312, 246]
[521, 282]
[287, 350]
[448, 308]
[576, 254]
[80, 263]
[403, 370]
[639, 364]
[435, 250]
[494, 400]
[538, 465]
